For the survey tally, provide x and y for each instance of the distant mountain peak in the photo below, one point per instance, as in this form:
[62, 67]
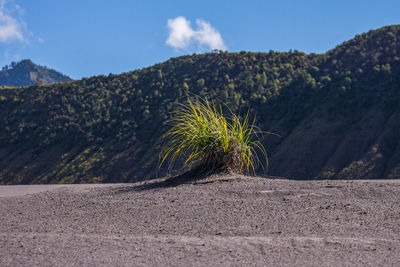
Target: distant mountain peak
[27, 62]
[26, 73]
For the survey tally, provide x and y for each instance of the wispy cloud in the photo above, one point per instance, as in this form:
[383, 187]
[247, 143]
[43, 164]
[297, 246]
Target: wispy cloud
[40, 40]
[12, 27]
[183, 36]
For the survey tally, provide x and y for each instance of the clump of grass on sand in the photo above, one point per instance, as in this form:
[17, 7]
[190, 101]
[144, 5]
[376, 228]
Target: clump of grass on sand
[201, 133]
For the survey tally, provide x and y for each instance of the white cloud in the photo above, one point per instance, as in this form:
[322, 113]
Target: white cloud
[181, 33]
[12, 27]
[183, 36]
[9, 29]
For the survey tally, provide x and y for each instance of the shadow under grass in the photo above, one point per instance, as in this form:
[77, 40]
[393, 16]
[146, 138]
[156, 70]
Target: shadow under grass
[196, 175]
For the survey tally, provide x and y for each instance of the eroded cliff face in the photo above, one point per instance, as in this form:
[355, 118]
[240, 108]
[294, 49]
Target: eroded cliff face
[324, 149]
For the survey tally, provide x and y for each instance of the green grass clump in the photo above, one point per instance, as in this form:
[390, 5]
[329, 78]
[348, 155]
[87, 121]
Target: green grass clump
[201, 133]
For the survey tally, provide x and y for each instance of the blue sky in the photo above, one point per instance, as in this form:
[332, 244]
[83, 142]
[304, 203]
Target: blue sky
[92, 37]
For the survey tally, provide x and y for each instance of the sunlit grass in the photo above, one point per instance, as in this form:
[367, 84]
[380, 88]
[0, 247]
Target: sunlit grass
[201, 133]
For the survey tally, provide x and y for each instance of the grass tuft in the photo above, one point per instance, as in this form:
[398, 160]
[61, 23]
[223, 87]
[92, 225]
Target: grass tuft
[201, 133]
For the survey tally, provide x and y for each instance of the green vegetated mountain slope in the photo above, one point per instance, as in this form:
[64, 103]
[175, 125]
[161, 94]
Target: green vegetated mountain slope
[26, 73]
[337, 114]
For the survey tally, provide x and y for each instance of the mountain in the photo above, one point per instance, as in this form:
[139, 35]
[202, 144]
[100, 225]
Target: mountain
[337, 114]
[26, 73]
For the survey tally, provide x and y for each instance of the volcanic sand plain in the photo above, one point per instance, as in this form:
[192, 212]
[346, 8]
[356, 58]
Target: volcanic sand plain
[219, 220]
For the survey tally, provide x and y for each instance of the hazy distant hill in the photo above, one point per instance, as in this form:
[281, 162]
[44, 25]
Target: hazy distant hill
[338, 114]
[25, 73]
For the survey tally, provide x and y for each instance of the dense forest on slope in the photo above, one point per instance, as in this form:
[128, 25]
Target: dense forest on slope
[337, 114]
[26, 73]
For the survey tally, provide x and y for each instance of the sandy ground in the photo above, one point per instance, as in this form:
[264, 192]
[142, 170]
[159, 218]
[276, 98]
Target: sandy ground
[225, 220]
